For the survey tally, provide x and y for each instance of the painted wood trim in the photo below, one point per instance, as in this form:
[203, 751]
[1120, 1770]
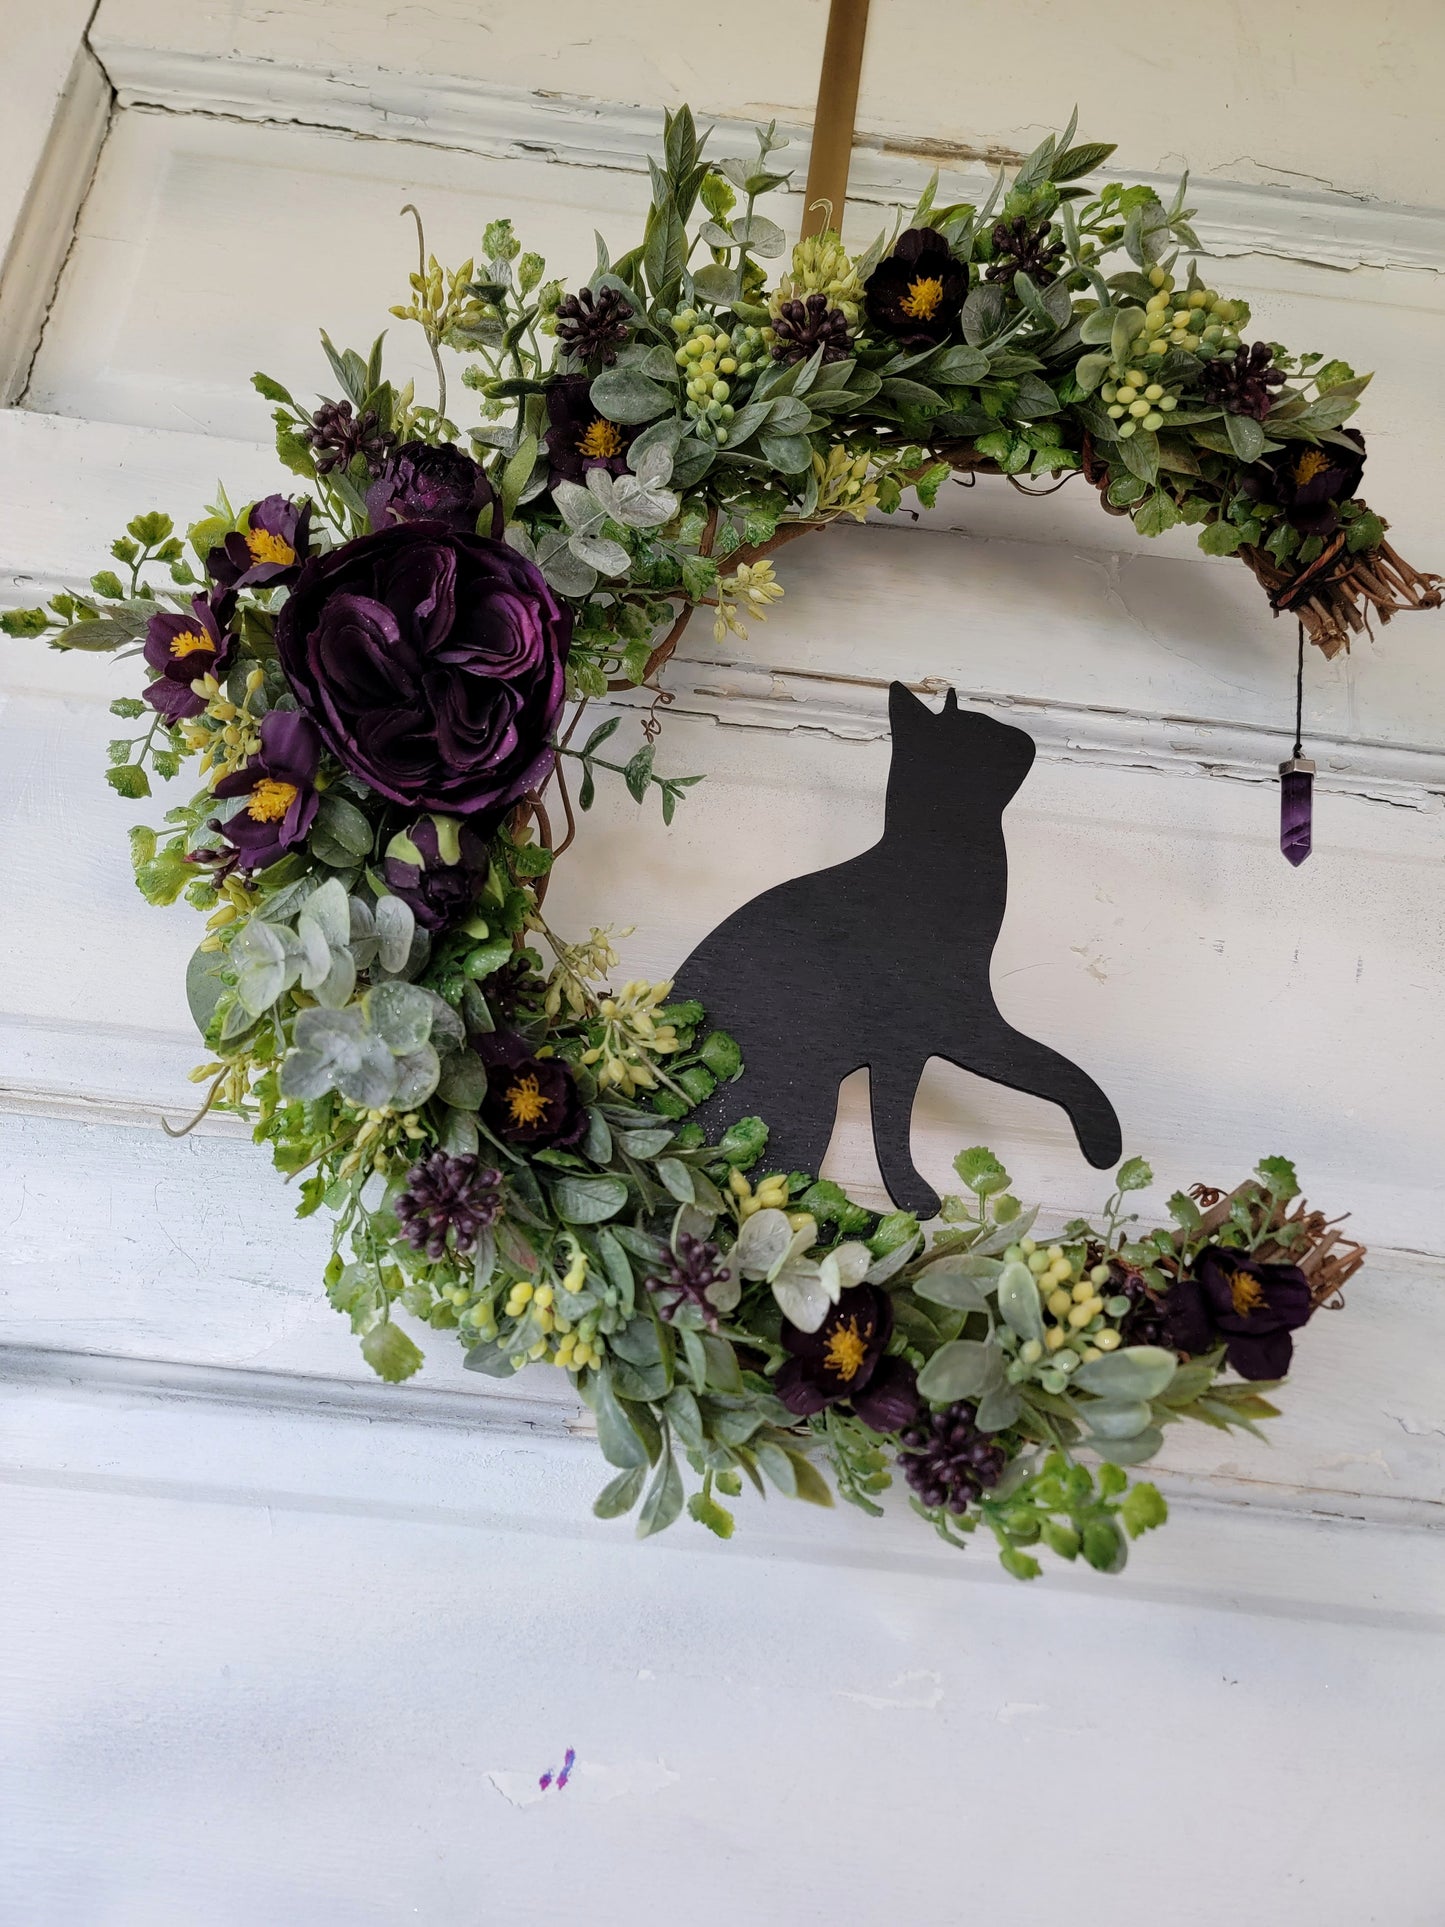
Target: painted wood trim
[1234, 217]
[41, 238]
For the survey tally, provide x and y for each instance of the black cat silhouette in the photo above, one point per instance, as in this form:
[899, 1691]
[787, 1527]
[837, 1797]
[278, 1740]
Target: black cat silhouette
[883, 961]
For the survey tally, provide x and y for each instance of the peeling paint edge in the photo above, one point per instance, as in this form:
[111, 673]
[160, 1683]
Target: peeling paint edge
[756, 696]
[1311, 226]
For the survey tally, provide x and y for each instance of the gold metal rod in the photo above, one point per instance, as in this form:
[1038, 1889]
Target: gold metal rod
[834, 116]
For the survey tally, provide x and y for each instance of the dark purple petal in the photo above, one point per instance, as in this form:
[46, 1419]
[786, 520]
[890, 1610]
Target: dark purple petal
[802, 1395]
[1187, 1317]
[890, 1398]
[1267, 1356]
[174, 700]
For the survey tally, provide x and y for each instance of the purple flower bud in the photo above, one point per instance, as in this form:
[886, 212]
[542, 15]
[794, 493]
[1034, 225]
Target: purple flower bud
[422, 483]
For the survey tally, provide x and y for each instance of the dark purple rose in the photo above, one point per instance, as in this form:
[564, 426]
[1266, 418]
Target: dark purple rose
[1307, 482]
[915, 293]
[843, 1360]
[184, 649]
[419, 483]
[580, 438]
[279, 783]
[437, 867]
[268, 552]
[530, 1100]
[1253, 1307]
[432, 664]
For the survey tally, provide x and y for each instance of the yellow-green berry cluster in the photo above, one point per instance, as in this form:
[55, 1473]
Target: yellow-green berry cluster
[1135, 402]
[1194, 318]
[540, 1328]
[716, 363]
[1080, 1321]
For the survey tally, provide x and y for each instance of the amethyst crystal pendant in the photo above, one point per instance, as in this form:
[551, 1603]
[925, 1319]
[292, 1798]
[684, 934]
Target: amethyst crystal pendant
[1296, 808]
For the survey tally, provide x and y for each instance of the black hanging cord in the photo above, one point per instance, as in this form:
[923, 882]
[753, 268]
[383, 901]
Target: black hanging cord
[1299, 696]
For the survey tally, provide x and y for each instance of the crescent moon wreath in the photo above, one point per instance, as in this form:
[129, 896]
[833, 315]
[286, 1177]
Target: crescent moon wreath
[382, 676]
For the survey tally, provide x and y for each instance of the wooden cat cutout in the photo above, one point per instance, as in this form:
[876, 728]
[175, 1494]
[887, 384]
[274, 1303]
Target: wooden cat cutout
[883, 961]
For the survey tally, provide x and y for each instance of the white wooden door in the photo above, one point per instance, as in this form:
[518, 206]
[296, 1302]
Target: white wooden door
[281, 1645]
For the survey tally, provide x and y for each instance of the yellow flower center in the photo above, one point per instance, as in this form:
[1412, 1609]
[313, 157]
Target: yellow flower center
[847, 1348]
[1313, 462]
[189, 641]
[526, 1102]
[266, 547]
[922, 299]
[602, 438]
[1247, 1293]
[270, 800]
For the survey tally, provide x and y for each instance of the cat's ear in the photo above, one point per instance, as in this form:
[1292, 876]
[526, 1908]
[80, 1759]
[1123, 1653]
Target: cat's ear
[905, 708]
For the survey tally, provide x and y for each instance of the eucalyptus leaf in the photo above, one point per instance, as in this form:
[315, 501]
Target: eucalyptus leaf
[964, 1368]
[1136, 1372]
[395, 926]
[400, 1015]
[945, 1284]
[1018, 1302]
[1117, 1418]
[416, 1078]
[626, 395]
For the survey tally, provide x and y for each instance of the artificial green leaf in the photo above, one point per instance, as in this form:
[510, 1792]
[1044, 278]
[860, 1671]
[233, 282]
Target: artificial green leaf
[1136, 1372]
[709, 1513]
[981, 1171]
[621, 1494]
[390, 1353]
[1143, 1509]
[625, 395]
[588, 1200]
[964, 1368]
[664, 1499]
[1018, 1302]
[618, 1437]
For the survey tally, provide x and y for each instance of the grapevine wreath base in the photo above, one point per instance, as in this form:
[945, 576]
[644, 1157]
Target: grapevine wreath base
[382, 677]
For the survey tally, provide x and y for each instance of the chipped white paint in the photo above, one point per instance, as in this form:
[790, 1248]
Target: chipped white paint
[334, 1633]
[1309, 100]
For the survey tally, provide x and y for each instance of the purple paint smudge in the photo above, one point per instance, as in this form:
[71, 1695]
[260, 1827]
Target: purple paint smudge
[562, 1778]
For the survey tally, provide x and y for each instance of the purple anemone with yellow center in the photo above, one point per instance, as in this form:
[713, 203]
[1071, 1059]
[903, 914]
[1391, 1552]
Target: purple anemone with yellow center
[844, 1362]
[1250, 1306]
[580, 436]
[184, 649]
[267, 553]
[279, 785]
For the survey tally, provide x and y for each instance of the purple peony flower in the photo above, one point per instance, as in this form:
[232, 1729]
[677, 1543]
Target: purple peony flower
[437, 867]
[579, 437]
[280, 785]
[530, 1100]
[184, 649]
[1253, 1307]
[843, 1360]
[268, 552]
[432, 664]
[419, 483]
